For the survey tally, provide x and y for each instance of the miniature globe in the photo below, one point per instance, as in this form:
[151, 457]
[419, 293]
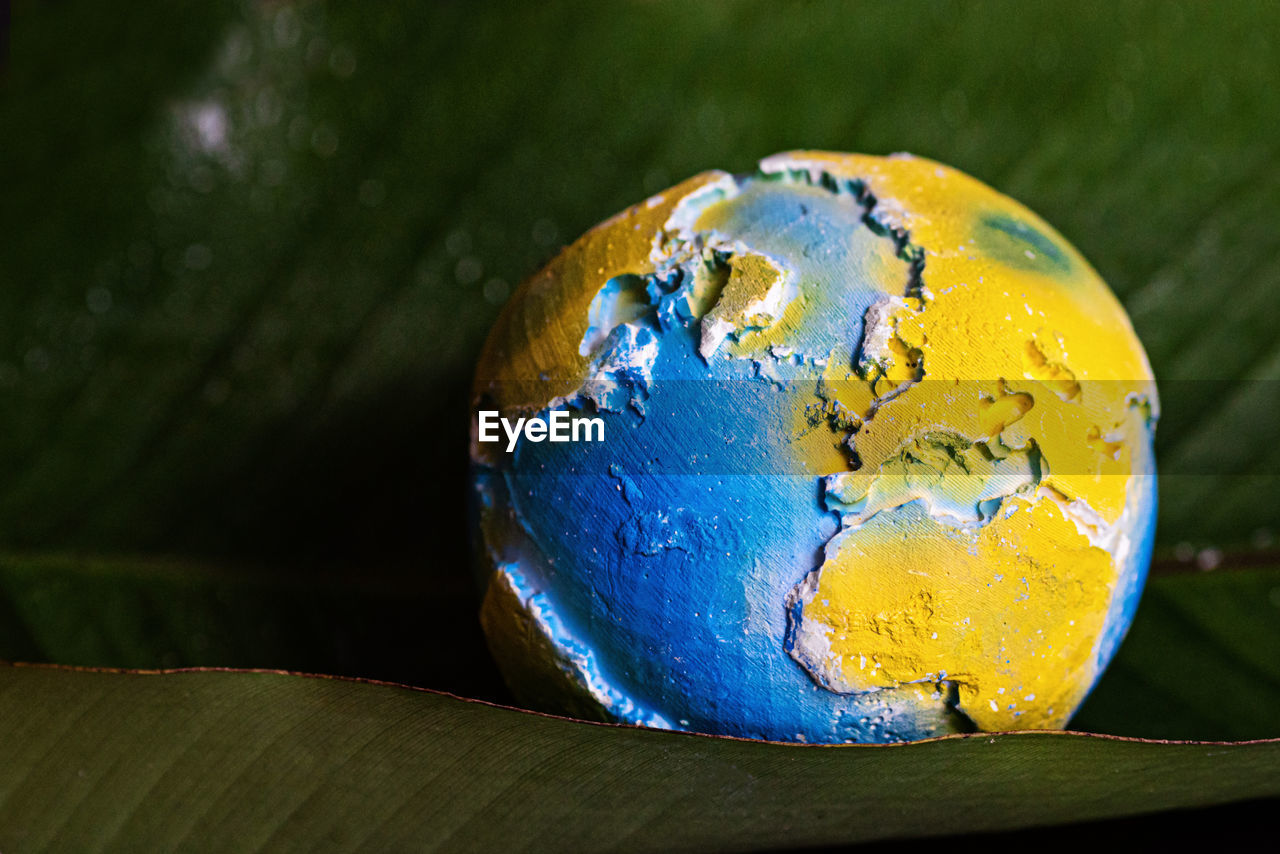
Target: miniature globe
[866, 456]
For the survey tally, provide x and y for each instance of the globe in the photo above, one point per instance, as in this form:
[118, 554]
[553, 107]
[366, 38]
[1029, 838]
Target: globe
[845, 449]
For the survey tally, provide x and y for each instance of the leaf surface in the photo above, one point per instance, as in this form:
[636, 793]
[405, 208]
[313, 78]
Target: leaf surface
[263, 761]
[249, 270]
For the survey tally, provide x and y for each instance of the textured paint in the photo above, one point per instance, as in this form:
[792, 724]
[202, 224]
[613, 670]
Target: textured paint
[877, 461]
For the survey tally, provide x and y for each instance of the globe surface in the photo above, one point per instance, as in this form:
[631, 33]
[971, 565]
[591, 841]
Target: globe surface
[876, 462]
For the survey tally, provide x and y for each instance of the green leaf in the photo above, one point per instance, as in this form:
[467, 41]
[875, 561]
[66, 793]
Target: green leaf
[227, 761]
[255, 248]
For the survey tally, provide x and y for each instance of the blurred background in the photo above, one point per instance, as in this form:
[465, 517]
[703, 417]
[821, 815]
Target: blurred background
[251, 251]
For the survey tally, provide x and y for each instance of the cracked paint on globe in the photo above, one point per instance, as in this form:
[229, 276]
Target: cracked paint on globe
[877, 462]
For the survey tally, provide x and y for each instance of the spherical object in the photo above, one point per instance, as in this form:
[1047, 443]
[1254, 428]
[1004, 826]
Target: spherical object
[846, 449]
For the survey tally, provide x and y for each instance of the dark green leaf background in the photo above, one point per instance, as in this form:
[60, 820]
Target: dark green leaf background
[250, 251]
